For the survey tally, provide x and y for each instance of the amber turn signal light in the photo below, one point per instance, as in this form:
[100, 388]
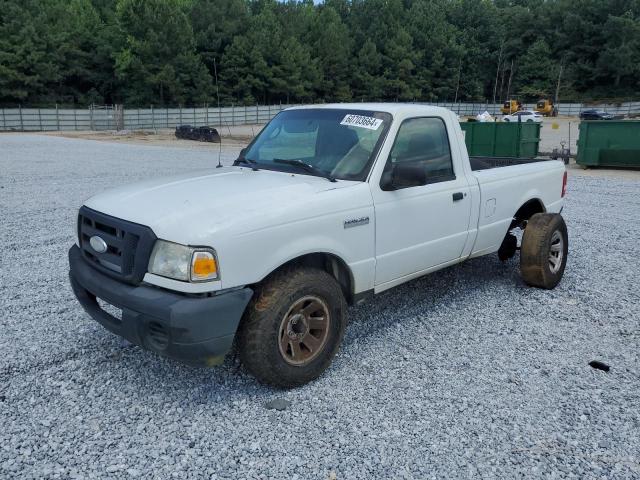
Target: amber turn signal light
[203, 266]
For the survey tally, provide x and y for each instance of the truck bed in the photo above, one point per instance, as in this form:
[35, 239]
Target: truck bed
[486, 163]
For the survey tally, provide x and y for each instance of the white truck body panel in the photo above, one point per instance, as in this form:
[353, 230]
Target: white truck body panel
[502, 188]
[256, 221]
[412, 234]
[259, 220]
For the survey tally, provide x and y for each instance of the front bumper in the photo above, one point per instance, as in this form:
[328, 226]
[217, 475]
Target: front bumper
[194, 330]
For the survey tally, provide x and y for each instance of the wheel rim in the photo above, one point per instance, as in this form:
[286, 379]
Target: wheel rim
[304, 330]
[556, 252]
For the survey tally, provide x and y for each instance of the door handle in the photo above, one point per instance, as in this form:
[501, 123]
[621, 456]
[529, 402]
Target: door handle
[457, 196]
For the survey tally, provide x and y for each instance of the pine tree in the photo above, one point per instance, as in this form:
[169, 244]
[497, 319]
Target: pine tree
[331, 45]
[84, 53]
[143, 52]
[27, 70]
[536, 72]
[215, 23]
[295, 73]
[399, 69]
[478, 34]
[620, 57]
[158, 63]
[437, 53]
[245, 73]
[367, 79]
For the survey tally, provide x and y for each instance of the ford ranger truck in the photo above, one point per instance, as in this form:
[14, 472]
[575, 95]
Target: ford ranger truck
[327, 206]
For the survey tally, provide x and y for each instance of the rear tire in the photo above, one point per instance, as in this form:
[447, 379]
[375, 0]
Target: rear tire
[544, 249]
[283, 340]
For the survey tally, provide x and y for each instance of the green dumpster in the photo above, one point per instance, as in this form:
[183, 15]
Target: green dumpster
[501, 139]
[609, 144]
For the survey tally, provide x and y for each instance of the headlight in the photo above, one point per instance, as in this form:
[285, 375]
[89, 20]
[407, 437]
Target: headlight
[188, 264]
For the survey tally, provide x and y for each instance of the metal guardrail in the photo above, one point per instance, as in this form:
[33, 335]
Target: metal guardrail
[118, 118]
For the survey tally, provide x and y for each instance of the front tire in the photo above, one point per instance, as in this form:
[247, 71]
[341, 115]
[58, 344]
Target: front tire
[292, 327]
[544, 249]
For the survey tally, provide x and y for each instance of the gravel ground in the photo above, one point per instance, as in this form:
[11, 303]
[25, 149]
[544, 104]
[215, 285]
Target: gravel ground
[464, 373]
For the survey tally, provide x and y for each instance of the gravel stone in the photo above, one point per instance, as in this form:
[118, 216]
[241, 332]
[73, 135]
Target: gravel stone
[278, 404]
[464, 373]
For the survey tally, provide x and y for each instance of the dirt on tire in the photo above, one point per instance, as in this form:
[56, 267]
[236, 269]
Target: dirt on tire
[258, 335]
[535, 267]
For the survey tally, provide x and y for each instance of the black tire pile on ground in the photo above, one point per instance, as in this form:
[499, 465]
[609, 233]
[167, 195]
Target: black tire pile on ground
[200, 134]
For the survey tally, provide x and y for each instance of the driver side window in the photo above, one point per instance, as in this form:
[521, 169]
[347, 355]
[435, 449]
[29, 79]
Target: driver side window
[420, 154]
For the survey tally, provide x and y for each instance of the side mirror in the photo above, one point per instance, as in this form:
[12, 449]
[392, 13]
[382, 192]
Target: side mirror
[403, 175]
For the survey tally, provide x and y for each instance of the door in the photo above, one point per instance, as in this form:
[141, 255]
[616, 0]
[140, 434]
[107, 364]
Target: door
[422, 205]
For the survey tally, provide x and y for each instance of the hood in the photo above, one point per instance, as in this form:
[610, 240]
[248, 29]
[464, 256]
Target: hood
[190, 208]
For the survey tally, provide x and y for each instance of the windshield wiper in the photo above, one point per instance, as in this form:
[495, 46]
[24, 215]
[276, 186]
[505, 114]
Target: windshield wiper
[247, 161]
[305, 166]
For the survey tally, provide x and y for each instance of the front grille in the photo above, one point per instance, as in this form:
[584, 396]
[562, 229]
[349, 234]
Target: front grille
[128, 245]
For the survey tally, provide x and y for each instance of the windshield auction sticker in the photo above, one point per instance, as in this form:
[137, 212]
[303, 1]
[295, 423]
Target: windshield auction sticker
[363, 122]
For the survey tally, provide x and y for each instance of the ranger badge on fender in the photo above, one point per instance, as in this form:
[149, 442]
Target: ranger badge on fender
[356, 222]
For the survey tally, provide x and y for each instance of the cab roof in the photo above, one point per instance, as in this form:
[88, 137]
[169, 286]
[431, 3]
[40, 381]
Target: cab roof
[392, 108]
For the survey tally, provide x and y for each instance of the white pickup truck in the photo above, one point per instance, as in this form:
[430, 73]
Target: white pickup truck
[327, 206]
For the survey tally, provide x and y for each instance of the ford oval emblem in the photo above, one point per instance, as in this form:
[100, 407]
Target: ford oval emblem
[98, 244]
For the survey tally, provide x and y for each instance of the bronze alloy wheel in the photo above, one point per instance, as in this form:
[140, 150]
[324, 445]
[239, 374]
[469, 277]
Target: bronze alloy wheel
[293, 326]
[304, 330]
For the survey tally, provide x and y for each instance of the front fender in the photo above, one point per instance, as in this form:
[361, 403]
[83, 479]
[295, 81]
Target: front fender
[249, 258]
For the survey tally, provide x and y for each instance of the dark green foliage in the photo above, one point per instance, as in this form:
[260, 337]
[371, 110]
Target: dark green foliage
[168, 52]
[537, 71]
[25, 69]
[215, 23]
[330, 41]
[158, 63]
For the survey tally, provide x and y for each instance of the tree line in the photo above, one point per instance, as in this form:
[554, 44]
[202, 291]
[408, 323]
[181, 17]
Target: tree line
[191, 52]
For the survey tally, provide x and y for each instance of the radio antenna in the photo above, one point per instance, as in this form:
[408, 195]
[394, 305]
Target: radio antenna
[215, 73]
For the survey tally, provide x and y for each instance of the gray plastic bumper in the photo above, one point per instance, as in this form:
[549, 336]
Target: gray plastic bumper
[194, 330]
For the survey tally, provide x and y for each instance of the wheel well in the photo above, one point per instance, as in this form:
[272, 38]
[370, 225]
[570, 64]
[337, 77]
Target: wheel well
[526, 211]
[331, 264]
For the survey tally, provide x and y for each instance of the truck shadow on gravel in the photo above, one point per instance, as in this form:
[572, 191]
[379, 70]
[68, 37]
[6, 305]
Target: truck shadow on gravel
[413, 301]
[418, 298]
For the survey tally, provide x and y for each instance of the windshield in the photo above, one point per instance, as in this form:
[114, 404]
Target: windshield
[337, 143]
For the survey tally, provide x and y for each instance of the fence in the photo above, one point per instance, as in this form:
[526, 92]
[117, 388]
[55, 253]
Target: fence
[118, 118]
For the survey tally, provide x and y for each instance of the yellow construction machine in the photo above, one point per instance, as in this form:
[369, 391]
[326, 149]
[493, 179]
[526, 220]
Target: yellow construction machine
[547, 108]
[511, 106]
